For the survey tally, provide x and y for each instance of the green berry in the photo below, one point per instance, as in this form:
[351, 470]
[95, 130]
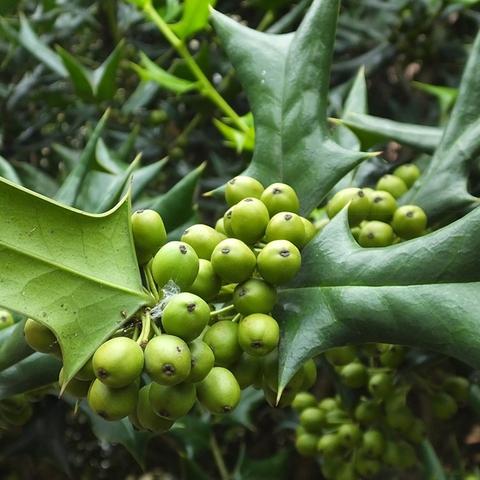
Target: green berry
[303, 400]
[309, 374]
[207, 283]
[393, 356]
[254, 296]
[75, 388]
[346, 471]
[350, 435]
[233, 261]
[367, 411]
[202, 361]
[406, 454]
[249, 220]
[227, 223]
[391, 454]
[258, 334]
[313, 419]
[340, 356]
[409, 221]
[175, 261]
[381, 385]
[220, 227]
[366, 467]
[306, 444]
[357, 210]
[242, 187]
[118, 362]
[172, 401]
[279, 197]
[399, 418]
[286, 226]
[310, 231]
[329, 444]
[328, 404]
[443, 406]
[148, 234]
[356, 232]
[112, 403]
[167, 359]
[354, 375]
[382, 206]
[392, 184]
[247, 370]
[86, 373]
[186, 315]
[147, 418]
[222, 338]
[40, 337]
[457, 387]
[373, 443]
[270, 375]
[279, 261]
[416, 433]
[6, 319]
[203, 239]
[408, 172]
[375, 234]
[219, 393]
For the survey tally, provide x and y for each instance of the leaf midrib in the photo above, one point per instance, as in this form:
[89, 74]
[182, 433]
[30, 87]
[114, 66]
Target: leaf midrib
[73, 272]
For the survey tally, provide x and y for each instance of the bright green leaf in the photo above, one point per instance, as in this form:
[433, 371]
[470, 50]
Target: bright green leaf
[76, 273]
[194, 18]
[104, 77]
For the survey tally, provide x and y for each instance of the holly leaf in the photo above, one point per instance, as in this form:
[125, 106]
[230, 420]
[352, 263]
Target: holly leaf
[415, 293]
[286, 79]
[74, 272]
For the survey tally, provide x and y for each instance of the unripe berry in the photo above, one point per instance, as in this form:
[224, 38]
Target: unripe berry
[76, 388]
[279, 261]
[313, 420]
[219, 392]
[367, 411]
[254, 296]
[354, 375]
[373, 443]
[366, 467]
[306, 444]
[408, 172]
[219, 227]
[233, 261]
[279, 197]
[148, 234]
[303, 400]
[444, 406]
[270, 375]
[112, 403]
[207, 283]
[380, 384]
[175, 261]
[203, 360]
[392, 184]
[242, 187]
[172, 401]
[350, 435]
[329, 444]
[310, 374]
[357, 210]
[286, 226]
[258, 334]
[40, 337]
[249, 220]
[203, 239]
[222, 338]
[382, 206]
[393, 356]
[118, 362]
[457, 387]
[375, 234]
[6, 319]
[310, 230]
[247, 370]
[339, 356]
[186, 315]
[409, 221]
[167, 359]
[146, 417]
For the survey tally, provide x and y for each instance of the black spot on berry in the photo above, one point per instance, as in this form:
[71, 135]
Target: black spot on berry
[168, 369]
[183, 249]
[410, 214]
[284, 253]
[276, 190]
[226, 250]
[288, 216]
[191, 307]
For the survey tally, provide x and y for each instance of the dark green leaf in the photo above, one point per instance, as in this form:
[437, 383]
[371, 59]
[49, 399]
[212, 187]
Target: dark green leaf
[143, 176]
[104, 77]
[107, 159]
[414, 293]
[8, 172]
[33, 178]
[35, 371]
[286, 78]
[431, 462]
[14, 348]
[82, 79]
[70, 189]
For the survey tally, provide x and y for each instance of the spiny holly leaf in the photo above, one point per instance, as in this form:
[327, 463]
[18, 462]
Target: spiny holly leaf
[286, 78]
[76, 273]
[414, 293]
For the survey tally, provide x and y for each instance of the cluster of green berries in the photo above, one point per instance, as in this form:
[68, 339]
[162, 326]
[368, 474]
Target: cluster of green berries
[374, 216]
[211, 332]
[379, 431]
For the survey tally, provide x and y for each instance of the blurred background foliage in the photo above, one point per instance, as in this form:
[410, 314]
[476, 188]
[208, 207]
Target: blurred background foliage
[64, 63]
